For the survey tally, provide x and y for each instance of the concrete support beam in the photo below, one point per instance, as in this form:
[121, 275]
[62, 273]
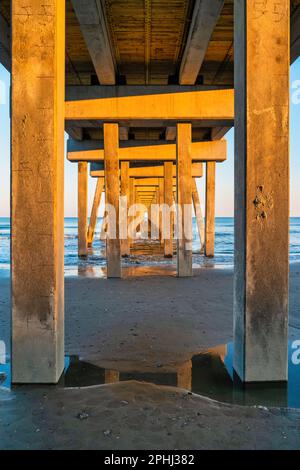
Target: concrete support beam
[184, 200]
[37, 202]
[295, 35]
[135, 151]
[76, 133]
[261, 191]
[218, 133]
[112, 190]
[205, 16]
[145, 190]
[155, 181]
[82, 208]
[149, 171]
[168, 215]
[91, 18]
[123, 133]
[125, 193]
[209, 106]
[210, 209]
[171, 133]
[87, 92]
[198, 213]
[95, 209]
[5, 47]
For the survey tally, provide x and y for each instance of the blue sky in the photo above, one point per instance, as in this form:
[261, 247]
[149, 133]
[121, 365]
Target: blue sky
[225, 171]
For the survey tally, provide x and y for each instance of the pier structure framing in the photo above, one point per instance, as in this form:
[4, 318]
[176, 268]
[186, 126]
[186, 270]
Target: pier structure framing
[168, 110]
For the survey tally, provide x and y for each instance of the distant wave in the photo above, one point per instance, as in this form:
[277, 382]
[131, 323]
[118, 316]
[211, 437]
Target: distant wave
[224, 245]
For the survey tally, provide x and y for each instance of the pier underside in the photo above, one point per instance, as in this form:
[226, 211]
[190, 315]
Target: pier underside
[146, 91]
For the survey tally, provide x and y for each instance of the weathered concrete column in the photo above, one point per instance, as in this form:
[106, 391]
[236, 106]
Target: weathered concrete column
[198, 212]
[131, 203]
[112, 186]
[94, 213]
[153, 213]
[210, 209]
[184, 200]
[184, 375]
[168, 215]
[82, 208]
[161, 201]
[111, 376]
[37, 202]
[125, 193]
[262, 60]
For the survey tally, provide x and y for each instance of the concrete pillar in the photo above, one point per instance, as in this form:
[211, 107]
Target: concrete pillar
[198, 212]
[125, 190]
[111, 376]
[154, 216]
[37, 202]
[161, 202]
[210, 209]
[168, 215]
[112, 185]
[184, 375]
[262, 61]
[94, 213]
[184, 200]
[82, 208]
[131, 203]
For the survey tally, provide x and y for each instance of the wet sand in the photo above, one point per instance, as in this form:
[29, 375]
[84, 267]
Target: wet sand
[152, 322]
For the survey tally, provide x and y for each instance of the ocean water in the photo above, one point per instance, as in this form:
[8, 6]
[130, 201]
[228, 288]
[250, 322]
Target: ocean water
[224, 247]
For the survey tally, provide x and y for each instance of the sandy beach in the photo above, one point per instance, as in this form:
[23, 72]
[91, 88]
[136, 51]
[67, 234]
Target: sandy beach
[147, 322]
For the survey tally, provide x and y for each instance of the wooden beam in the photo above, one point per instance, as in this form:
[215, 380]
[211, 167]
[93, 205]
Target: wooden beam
[184, 200]
[112, 191]
[5, 47]
[200, 151]
[295, 34]
[95, 208]
[148, 171]
[205, 16]
[91, 17]
[209, 106]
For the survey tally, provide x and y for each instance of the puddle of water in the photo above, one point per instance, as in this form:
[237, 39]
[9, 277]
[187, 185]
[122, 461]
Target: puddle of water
[208, 374]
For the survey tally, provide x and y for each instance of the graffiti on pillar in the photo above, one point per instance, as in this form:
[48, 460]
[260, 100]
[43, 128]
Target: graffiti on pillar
[275, 8]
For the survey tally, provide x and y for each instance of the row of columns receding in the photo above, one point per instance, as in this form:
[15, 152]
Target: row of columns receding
[159, 201]
[261, 280]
